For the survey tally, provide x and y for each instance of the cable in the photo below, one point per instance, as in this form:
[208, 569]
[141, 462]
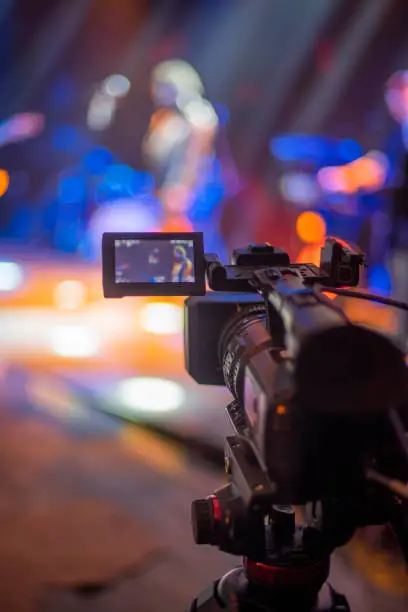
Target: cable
[371, 297]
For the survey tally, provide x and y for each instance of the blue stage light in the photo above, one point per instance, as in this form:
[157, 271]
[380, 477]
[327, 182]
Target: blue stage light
[123, 180]
[71, 190]
[300, 147]
[223, 113]
[65, 138]
[319, 150]
[379, 280]
[349, 150]
[98, 160]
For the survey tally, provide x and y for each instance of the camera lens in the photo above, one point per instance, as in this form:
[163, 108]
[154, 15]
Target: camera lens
[244, 331]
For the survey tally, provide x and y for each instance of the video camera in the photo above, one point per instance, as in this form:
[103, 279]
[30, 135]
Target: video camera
[318, 406]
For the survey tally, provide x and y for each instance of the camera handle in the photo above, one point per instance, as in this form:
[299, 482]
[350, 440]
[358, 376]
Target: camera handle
[237, 592]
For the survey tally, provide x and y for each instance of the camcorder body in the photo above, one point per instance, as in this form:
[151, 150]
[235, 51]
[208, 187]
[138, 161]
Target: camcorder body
[318, 403]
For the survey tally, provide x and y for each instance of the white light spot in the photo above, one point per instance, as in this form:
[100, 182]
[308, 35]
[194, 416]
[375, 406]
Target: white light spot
[11, 276]
[101, 111]
[300, 188]
[70, 294]
[74, 341]
[162, 318]
[150, 395]
[116, 85]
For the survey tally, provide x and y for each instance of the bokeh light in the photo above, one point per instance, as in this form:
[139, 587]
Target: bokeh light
[379, 279]
[98, 160]
[365, 174]
[126, 181]
[22, 126]
[162, 318]
[70, 295]
[300, 188]
[150, 395]
[177, 224]
[122, 215]
[311, 227]
[319, 150]
[396, 95]
[116, 85]
[76, 341]
[101, 111]
[309, 254]
[4, 181]
[71, 190]
[11, 276]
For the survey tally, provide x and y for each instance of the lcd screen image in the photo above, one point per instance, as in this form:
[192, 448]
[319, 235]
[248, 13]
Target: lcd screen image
[154, 261]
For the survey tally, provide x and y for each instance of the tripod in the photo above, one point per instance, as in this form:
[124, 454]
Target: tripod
[285, 567]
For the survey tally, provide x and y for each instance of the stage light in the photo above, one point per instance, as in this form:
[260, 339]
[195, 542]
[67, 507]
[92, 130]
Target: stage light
[127, 181]
[379, 279]
[223, 113]
[74, 341]
[70, 295]
[21, 126]
[101, 111]
[300, 188]
[116, 85]
[396, 95]
[294, 147]
[98, 160]
[311, 227]
[365, 174]
[349, 150]
[177, 224]
[316, 149]
[4, 182]
[309, 254]
[71, 190]
[11, 276]
[162, 318]
[122, 215]
[150, 395]
[332, 180]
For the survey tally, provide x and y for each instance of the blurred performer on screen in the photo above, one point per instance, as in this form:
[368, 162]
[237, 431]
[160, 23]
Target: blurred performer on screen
[182, 270]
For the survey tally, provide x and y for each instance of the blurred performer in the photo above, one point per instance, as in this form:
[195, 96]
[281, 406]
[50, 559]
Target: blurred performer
[182, 270]
[180, 147]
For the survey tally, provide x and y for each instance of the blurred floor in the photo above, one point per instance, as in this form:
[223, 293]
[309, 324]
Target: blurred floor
[84, 499]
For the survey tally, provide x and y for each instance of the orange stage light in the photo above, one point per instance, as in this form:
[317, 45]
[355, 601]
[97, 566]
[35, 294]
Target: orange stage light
[177, 224]
[309, 254]
[311, 228]
[4, 182]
